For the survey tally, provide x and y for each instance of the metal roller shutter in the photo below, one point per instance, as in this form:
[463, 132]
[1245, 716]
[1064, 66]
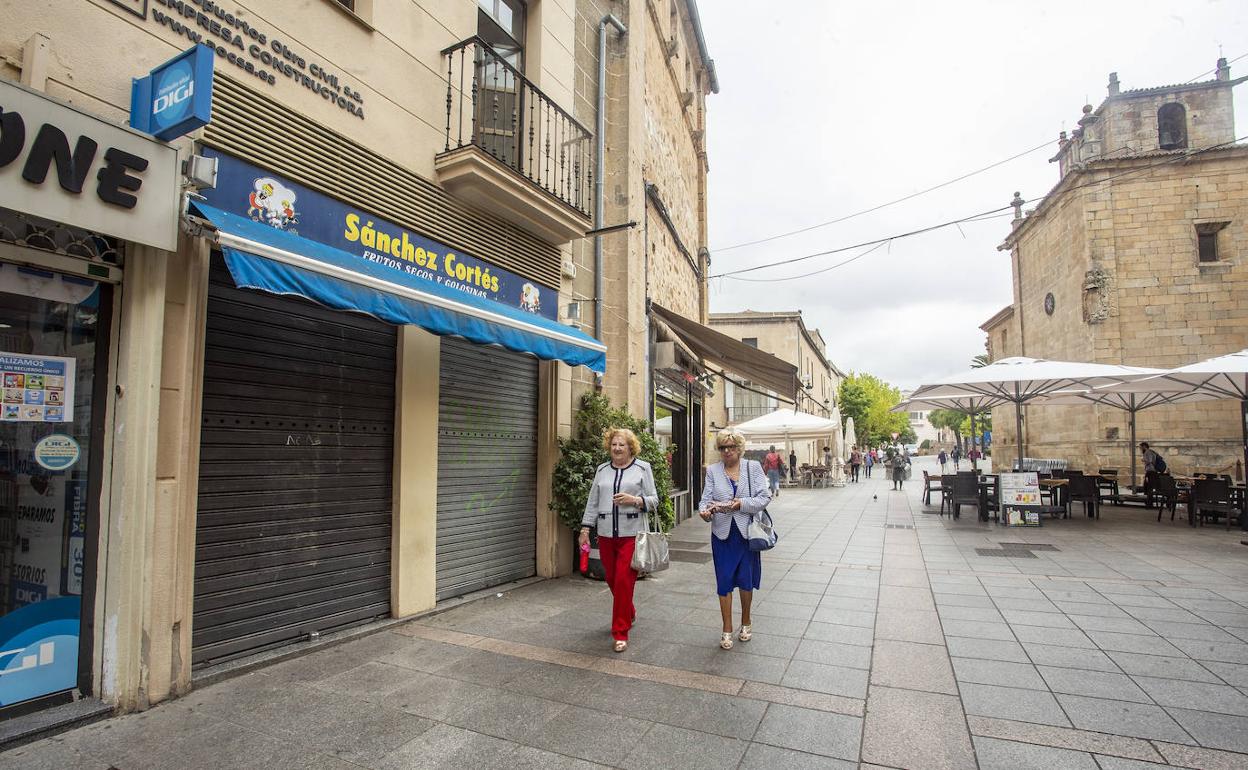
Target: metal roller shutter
[293, 527]
[487, 476]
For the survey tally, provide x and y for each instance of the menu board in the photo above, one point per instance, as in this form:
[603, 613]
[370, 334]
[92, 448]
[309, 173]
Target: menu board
[36, 388]
[1020, 491]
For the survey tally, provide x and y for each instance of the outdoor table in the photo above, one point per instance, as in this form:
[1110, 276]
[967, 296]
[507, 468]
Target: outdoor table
[1059, 493]
[986, 484]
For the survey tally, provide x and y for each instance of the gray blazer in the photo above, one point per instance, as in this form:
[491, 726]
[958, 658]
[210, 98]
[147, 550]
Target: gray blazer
[752, 489]
[612, 520]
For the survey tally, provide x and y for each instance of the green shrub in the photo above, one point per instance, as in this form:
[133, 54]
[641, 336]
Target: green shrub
[927, 444]
[581, 455]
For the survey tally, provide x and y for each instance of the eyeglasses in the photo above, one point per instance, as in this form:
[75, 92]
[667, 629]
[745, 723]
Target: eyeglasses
[729, 447]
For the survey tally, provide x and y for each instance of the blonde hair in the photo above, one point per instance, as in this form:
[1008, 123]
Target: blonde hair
[634, 446]
[728, 435]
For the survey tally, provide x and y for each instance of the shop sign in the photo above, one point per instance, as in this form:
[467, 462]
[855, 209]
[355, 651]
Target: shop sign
[252, 192]
[175, 98]
[36, 388]
[64, 165]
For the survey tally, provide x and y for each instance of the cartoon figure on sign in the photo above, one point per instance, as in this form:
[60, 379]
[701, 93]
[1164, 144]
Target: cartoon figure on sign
[530, 298]
[272, 203]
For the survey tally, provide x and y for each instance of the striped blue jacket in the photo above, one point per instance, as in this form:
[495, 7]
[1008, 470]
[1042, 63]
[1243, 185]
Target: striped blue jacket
[752, 489]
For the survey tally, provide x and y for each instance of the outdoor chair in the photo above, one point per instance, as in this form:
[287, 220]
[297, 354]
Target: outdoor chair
[1164, 493]
[1211, 498]
[947, 482]
[1049, 492]
[965, 492]
[930, 484]
[1107, 484]
[1082, 489]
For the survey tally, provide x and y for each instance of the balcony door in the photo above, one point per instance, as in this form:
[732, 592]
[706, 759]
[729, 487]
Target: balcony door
[500, 120]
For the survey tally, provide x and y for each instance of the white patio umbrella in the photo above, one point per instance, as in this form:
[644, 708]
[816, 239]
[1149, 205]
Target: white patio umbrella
[1022, 380]
[969, 404]
[1221, 377]
[851, 437]
[1130, 398]
[789, 424]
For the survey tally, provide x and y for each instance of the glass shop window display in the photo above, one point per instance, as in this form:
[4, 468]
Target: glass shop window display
[49, 324]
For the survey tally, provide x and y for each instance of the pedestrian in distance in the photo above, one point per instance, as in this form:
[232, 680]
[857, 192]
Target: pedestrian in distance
[900, 460]
[773, 466]
[1154, 466]
[620, 498]
[957, 458]
[733, 492]
[868, 460]
[855, 463]
[793, 465]
[827, 457]
[942, 458]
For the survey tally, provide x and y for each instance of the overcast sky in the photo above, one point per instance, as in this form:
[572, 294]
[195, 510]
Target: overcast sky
[827, 108]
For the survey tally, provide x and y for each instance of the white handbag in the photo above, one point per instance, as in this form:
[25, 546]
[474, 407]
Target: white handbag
[650, 550]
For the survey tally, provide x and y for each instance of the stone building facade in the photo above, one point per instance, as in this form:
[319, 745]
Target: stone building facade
[1137, 256]
[658, 77]
[234, 431]
[783, 334]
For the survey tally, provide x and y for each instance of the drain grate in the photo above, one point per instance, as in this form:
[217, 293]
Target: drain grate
[898, 526]
[1009, 553]
[1030, 546]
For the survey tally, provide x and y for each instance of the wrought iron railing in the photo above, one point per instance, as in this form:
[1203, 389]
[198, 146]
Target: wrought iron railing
[491, 105]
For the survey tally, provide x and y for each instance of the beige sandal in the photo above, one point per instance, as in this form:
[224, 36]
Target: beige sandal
[620, 645]
[725, 640]
[746, 632]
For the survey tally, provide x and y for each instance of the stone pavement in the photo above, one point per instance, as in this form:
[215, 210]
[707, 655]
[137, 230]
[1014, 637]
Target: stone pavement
[885, 635]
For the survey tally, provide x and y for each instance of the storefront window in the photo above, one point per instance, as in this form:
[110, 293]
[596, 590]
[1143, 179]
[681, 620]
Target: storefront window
[48, 335]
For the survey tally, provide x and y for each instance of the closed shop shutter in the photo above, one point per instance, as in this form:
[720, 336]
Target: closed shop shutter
[487, 476]
[294, 519]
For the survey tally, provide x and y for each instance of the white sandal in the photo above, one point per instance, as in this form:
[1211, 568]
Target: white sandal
[746, 633]
[725, 640]
[620, 645]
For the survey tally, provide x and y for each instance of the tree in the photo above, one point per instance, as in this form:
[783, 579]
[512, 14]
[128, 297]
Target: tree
[947, 419]
[980, 361]
[868, 400]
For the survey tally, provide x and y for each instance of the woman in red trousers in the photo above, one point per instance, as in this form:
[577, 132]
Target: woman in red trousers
[622, 495]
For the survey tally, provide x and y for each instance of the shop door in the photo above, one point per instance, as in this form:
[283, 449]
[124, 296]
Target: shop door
[487, 468]
[293, 527]
[49, 480]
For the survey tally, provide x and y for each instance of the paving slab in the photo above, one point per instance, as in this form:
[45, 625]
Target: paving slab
[912, 666]
[998, 672]
[1012, 703]
[815, 732]
[906, 728]
[1140, 720]
[996, 754]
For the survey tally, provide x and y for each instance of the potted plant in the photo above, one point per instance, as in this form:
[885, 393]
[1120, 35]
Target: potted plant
[580, 456]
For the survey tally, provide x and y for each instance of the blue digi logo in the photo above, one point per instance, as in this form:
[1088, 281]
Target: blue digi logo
[176, 97]
[171, 99]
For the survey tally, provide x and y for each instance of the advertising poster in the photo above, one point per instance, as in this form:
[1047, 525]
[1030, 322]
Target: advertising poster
[36, 388]
[261, 196]
[1019, 492]
[39, 540]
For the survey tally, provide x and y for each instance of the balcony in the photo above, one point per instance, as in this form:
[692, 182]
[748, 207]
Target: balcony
[511, 150]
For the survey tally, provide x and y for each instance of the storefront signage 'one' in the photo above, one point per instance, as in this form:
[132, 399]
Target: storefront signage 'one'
[176, 97]
[70, 167]
[245, 49]
[252, 192]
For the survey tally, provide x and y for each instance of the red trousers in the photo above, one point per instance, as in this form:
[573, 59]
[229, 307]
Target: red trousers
[616, 554]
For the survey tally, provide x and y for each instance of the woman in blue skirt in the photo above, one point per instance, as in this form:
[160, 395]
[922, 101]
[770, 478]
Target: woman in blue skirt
[733, 492]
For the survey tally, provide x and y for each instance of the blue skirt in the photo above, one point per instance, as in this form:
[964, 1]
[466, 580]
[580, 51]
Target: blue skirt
[736, 566]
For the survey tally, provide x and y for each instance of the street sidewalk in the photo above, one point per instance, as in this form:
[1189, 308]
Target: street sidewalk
[884, 636]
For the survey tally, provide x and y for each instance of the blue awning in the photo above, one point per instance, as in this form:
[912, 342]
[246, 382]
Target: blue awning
[272, 260]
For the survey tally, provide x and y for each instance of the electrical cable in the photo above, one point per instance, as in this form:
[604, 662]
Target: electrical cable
[884, 205]
[1210, 72]
[975, 217]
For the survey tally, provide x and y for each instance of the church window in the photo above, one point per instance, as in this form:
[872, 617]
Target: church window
[1172, 127]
